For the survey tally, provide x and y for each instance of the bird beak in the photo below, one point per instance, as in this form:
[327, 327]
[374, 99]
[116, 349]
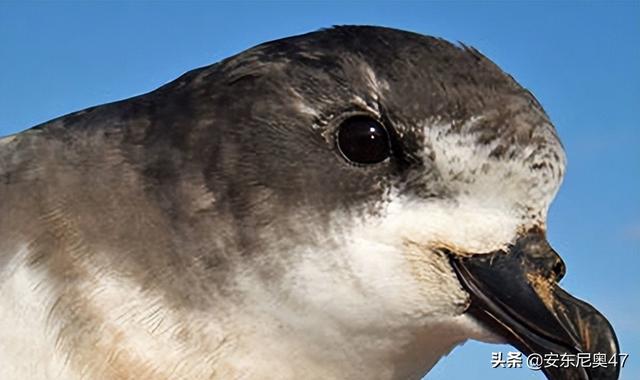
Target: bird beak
[515, 293]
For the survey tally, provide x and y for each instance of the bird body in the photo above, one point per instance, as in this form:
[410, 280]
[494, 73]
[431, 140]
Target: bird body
[310, 208]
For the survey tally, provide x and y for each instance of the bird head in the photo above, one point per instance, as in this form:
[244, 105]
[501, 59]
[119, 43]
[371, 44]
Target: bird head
[387, 184]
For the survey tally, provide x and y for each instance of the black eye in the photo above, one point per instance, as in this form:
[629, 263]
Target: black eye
[363, 140]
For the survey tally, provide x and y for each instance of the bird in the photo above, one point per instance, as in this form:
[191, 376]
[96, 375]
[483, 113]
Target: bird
[350, 203]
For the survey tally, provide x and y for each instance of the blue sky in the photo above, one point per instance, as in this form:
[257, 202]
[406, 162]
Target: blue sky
[581, 60]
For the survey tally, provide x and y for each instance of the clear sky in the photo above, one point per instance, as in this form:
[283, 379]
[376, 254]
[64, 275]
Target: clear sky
[581, 60]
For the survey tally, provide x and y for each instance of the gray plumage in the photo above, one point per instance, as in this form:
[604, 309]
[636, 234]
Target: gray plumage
[233, 169]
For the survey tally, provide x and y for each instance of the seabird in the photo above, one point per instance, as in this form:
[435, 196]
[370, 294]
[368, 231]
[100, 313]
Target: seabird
[351, 203]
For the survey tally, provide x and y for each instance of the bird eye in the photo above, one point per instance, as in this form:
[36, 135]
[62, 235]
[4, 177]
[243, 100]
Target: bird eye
[363, 140]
